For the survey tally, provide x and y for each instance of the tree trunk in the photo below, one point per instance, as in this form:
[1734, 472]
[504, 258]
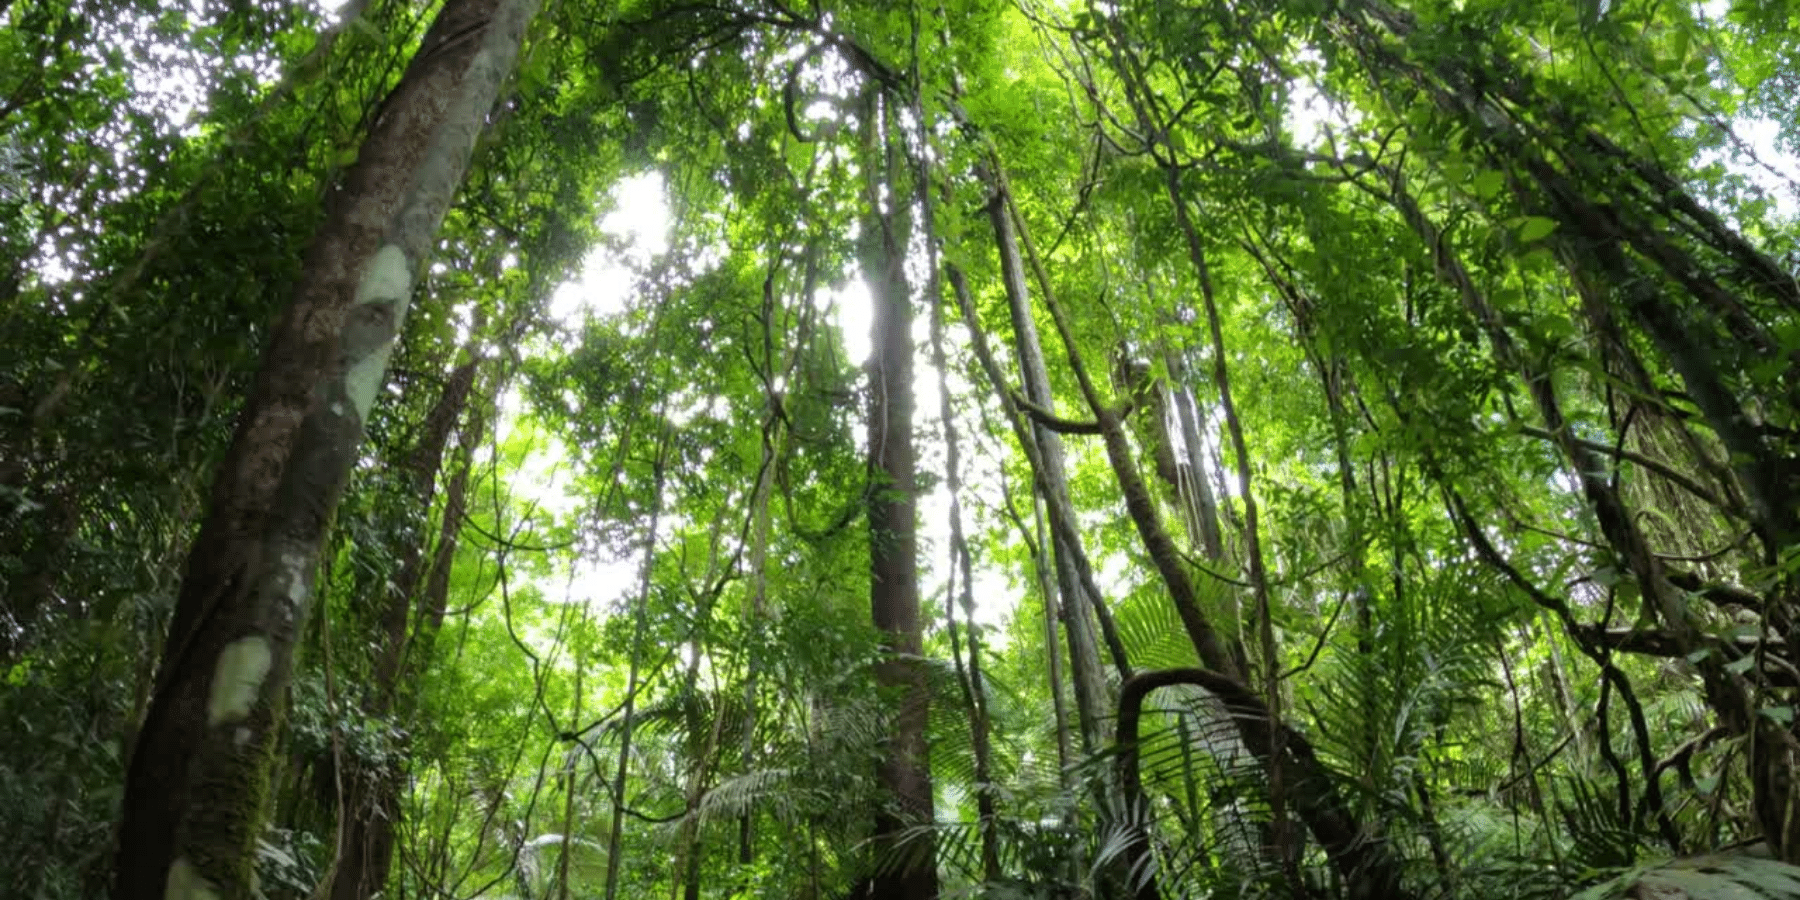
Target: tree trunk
[909, 869]
[1046, 582]
[962, 576]
[371, 798]
[1091, 693]
[197, 782]
[1196, 496]
[641, 617]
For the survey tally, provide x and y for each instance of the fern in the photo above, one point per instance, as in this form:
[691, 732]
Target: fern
[1714, 877]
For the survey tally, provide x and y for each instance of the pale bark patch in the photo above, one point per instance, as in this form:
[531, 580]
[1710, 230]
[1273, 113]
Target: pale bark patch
[386, 282]
[237, 679]
[186, 883]
[296, 567]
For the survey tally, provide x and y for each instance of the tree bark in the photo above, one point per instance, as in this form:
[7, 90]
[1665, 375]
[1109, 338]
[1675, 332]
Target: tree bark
[910, 870]
[372, 796]
[1078, 607]
[195, 791]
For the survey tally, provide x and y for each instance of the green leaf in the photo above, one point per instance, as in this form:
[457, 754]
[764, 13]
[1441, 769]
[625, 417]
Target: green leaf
[1535, 228]
[1487, 184]
[1781, 715]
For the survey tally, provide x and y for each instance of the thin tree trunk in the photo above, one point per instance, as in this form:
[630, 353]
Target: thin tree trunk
[1091, 693]
[364, 850]
[1046, 580]
[616, 835]
[1193, 489]
[962, 574]
[195, 792]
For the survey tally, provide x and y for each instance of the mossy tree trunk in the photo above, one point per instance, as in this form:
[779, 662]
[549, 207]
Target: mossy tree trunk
[196, 785]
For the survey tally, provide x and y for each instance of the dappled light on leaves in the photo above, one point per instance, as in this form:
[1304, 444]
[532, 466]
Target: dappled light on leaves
[907, 451]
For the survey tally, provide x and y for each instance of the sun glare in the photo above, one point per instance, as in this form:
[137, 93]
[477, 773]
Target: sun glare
[639, 222]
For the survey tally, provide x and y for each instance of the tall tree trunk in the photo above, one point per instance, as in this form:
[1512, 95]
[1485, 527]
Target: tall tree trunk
[195, 791]
[1046, 581]
[904, 772]
[1192, 487]
[364, 851]
[962, 576]
[1092, 698]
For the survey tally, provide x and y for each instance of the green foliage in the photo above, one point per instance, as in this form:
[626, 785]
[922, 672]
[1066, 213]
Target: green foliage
[1494, 287]
[1703, 878]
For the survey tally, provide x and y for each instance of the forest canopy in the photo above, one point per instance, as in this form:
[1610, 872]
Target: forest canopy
[899, 450]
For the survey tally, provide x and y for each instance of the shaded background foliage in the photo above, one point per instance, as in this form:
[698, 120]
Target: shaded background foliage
[1460, 465]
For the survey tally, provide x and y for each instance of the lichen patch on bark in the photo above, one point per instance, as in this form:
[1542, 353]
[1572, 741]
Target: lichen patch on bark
[294, 570]
[387, 282]
[186, 883]
[237, 679]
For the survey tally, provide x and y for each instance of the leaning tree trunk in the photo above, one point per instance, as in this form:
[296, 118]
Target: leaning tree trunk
[1079, 606]
[911, 872]
[1365, 863]
[195, 789]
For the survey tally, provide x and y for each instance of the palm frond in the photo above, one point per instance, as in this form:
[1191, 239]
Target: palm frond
[774, 790]
[1722, 876]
